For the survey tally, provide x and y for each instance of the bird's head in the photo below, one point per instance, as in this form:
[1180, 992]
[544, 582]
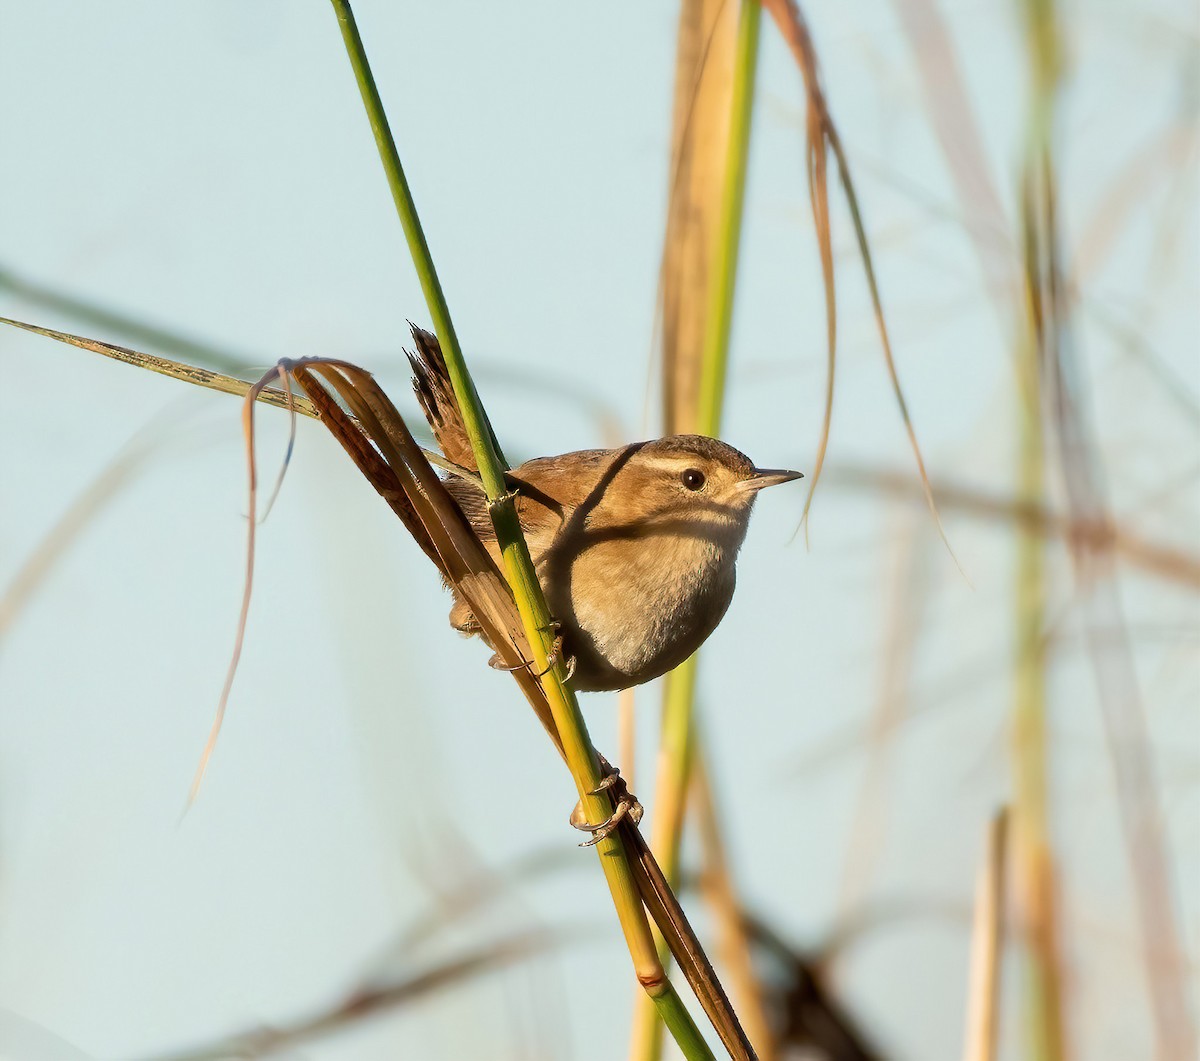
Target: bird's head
[688, 482]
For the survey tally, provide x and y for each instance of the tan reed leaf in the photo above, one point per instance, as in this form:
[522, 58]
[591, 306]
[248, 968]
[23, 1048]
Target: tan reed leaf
[376, 438]
[252, 396]
[699, 146]
[201, 377]
[987, 946]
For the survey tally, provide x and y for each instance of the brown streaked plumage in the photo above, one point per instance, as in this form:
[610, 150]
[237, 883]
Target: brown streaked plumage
[635, 547]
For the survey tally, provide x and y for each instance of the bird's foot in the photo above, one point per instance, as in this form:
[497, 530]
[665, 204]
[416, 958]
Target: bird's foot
[627, 806]
[555, 654]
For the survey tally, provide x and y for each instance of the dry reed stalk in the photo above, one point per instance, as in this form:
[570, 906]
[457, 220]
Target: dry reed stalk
[1087, 526]
[1107, 636]
[1167, 154]
[948, 102]
[704, 59]
[201, 377]
[1170, 564]
[1170, 153]
[131, 458]
[733, 941]
[1054, 358]
[369, 1001]
[1094, 538]
[987, 946]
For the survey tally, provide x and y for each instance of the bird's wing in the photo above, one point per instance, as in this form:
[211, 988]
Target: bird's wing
[549, 490]
[473, 503]
[561, 484]
[540, 516]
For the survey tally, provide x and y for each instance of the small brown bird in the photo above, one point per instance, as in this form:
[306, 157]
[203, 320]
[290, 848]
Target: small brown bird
[635, 547]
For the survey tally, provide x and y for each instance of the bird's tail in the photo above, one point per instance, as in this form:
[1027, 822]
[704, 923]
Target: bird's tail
[431, 382]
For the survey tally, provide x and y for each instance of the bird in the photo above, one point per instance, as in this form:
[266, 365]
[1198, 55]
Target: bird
[635, 546]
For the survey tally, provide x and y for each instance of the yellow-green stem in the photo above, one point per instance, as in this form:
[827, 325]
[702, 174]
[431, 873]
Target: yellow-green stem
[579, 753]
[1034, 853]
[729, 235]
[678, 729]
[1036, 866]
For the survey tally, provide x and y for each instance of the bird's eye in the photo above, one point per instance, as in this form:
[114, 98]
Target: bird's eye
[693, 478]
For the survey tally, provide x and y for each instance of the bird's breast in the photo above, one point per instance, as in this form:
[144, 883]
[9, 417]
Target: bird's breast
[635, 607]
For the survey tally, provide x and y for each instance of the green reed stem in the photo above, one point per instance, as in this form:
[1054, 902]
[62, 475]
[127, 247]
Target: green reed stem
[580, 754]
[714, 367]
[1038, 889]
[678, 745]
[1029, 749]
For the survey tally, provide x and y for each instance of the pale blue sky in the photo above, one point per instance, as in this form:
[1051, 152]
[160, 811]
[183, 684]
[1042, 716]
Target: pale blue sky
[208, 168]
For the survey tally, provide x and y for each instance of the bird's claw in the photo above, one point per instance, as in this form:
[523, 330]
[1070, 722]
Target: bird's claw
[553, 626]
[496, 663]
[627, 806]
[553, 658]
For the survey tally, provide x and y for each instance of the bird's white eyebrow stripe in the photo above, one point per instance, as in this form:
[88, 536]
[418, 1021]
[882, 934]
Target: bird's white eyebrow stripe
[674, 464]
[681, 463]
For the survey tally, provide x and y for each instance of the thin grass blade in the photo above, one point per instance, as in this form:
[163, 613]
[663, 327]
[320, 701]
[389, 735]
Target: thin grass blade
[822, 135]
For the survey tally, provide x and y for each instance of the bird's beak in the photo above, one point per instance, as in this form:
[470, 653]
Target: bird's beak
[764, 477]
